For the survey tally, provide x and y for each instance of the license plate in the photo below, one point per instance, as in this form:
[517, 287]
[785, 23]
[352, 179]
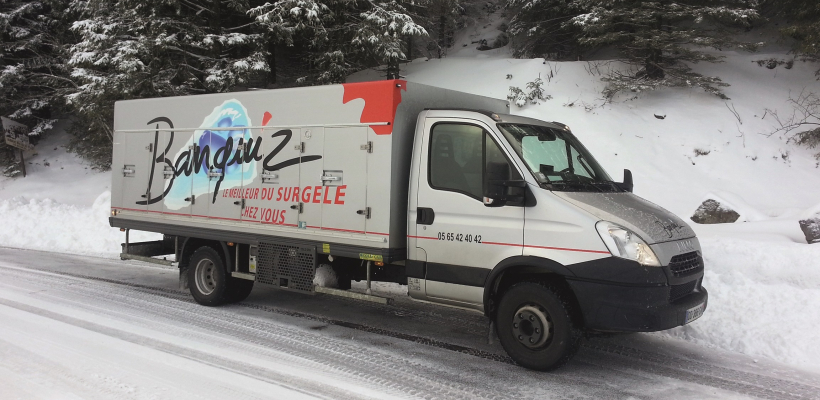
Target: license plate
[694, 313]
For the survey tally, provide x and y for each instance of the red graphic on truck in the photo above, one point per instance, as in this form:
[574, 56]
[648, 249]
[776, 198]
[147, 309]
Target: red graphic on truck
[381, 99]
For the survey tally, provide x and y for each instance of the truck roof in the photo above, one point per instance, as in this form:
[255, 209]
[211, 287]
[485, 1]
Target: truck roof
[497, 117]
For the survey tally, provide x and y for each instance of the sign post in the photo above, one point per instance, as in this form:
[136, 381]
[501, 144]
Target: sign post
[17, 136]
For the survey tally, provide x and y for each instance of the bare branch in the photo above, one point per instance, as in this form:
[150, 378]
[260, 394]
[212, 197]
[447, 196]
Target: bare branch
[734, 111]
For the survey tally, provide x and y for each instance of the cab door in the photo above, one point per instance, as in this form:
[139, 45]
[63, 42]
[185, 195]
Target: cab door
[462, 238]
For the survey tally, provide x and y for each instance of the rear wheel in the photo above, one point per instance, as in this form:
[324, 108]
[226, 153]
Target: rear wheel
[207, 278]
[534, 325]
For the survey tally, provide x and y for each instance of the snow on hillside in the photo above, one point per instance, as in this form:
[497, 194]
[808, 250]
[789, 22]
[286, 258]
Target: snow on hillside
[775, 177]
[763, 279]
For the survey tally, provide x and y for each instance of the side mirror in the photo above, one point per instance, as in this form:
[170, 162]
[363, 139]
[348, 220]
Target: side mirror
[499, 193]
[627, 184]
[493, 202]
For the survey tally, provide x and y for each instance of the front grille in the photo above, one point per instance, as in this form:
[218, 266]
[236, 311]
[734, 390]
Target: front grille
[685, 264]
[680, 291]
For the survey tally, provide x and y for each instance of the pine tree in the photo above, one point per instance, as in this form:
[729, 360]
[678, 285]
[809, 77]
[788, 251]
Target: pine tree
[33, 74]
[341, 36]
[539, 28]
[152, 48]
[659, 39]
[380, 32]
[441, 17]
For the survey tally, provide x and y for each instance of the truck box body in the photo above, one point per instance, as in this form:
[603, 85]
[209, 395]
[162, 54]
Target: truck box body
[327, 165]
[400, 182]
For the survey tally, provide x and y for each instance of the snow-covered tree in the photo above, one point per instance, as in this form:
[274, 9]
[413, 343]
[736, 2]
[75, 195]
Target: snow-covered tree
[380, 32]
[341, 36]
[660, 39]
[33, 74]
[539, 28]
[153, 48]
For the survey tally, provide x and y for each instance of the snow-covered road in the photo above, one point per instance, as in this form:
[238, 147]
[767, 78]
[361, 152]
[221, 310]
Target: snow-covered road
[85, 327]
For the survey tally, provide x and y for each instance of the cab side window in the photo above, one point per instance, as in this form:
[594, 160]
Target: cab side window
[463, 157]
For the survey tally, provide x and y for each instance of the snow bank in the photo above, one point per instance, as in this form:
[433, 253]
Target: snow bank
[811, 212]
[56, 174]
[764, 300]
[51, 226]
[325, 276]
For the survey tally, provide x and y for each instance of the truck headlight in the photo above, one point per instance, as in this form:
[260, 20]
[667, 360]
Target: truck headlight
[624, 243]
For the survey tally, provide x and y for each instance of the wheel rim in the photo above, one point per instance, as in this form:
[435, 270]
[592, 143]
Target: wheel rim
[531, 326]
[205, 281]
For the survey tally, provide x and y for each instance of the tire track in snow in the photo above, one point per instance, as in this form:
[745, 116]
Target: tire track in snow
[614, 355]
[397, 373]
[311, 388]
[706, 374]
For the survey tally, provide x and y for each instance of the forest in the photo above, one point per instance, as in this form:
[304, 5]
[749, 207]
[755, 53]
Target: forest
[72, 59]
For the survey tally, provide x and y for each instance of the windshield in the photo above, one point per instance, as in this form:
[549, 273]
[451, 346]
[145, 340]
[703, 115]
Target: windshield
[557, 159]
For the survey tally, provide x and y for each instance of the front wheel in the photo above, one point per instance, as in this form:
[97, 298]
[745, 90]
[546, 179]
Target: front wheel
[535, 326]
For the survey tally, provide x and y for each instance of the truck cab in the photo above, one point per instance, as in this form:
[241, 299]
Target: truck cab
[513, 216]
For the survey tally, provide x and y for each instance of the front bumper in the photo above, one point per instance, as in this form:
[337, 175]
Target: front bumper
[618, 307]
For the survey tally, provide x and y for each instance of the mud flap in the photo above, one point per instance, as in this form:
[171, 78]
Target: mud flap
[183, 279]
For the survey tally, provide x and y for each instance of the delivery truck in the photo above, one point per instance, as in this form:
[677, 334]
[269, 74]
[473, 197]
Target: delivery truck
[396, 181]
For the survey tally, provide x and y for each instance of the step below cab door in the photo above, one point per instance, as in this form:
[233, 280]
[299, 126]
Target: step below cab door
[462, 238]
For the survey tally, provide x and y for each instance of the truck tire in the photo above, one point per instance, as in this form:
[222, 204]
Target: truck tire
[535, 326]
[238, 290]
[207, 278]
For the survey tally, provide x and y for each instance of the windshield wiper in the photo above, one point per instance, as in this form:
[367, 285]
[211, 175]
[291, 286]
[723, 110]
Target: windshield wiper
[609, 184]
[578, 184]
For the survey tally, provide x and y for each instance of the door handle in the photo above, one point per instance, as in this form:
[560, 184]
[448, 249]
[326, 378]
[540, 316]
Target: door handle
[425, 216]
[365, 212]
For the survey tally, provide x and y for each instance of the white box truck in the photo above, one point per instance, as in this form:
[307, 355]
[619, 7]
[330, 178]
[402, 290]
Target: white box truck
[396, 181]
